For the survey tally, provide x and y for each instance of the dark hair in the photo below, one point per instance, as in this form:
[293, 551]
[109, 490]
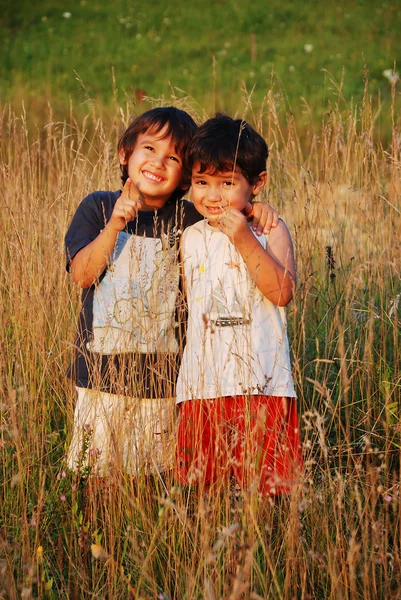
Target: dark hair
[180, 126]
[223, 143]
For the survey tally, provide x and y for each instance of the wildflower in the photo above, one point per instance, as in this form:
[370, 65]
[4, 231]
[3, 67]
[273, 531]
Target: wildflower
[308, 48]
[67, 15]
[391, 75]
[388, 498]
[98, 552]
[63, 497]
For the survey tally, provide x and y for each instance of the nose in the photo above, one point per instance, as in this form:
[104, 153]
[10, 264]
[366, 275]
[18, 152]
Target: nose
[158, 160]
[214, 194]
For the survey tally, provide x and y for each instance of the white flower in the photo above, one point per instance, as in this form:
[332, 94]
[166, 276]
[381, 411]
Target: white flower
[391, 75]
[67, 15]
[308, 48]
[291, 68]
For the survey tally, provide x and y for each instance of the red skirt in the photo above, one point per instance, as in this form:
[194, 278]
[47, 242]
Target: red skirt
[254, 438]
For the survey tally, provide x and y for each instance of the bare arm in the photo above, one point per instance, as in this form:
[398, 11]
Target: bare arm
[90, 262]
[273, 269]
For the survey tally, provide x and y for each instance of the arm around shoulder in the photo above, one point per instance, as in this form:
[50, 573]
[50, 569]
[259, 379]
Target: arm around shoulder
[273, 269]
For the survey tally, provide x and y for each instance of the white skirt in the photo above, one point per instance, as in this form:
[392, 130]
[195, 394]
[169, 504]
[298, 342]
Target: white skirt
[118, 432]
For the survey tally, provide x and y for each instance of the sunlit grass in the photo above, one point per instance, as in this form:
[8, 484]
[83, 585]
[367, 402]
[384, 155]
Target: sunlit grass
[338, 536]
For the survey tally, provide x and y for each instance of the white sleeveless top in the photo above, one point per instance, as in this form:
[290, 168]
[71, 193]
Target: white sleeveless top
[236, 340]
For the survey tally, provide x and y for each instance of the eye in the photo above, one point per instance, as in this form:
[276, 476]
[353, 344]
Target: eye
[199, 182]
[228, 183]
[149, 148]
[175, 158]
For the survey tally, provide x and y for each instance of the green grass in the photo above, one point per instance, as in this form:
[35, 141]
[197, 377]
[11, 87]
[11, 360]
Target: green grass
[207, 50]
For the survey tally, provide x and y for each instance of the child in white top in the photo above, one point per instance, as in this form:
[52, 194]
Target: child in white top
[235, 390]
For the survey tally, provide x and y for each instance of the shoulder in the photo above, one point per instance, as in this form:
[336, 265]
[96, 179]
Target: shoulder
[198, 228]
[281, 232]
[92, 214]
[192, 234]
[104, 200]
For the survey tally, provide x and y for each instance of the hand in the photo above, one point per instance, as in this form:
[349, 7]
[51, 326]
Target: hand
[233, 223]
[127, 206]
[264, 217]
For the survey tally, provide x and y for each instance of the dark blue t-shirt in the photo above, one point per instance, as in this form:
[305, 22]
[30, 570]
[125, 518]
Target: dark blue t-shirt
[128, 336]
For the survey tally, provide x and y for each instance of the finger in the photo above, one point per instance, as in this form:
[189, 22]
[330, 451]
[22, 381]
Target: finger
[256, 220]
[272, 220]
[131, 209]
[276, 219]
[126, 189]
[265, 223]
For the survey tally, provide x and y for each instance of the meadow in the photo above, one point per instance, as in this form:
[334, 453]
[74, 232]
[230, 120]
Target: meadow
[87, 53]
[337, 185]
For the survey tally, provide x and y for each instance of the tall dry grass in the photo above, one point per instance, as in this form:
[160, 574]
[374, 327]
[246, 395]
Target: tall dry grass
[338, 535]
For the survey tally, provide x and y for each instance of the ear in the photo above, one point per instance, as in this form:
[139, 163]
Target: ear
[185, 183]
[121, 156]
[184, 186]
[260, 183]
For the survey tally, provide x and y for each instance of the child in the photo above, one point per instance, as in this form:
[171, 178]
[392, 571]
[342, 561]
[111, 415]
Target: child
[235, 391]
[122, 249]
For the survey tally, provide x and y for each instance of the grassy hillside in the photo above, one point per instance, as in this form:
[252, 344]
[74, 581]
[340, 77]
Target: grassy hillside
[205, 49]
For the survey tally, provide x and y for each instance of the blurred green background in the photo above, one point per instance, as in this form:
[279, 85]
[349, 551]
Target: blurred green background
[68, 51]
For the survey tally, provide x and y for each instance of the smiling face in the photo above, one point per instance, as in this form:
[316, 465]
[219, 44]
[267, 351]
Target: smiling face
[154, 167]
[213, 192]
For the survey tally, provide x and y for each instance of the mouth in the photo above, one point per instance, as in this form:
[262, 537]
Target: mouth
[152, 177]
[216, 210]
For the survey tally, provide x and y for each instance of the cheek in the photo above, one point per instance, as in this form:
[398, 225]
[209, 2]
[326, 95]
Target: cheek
[178, 172]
